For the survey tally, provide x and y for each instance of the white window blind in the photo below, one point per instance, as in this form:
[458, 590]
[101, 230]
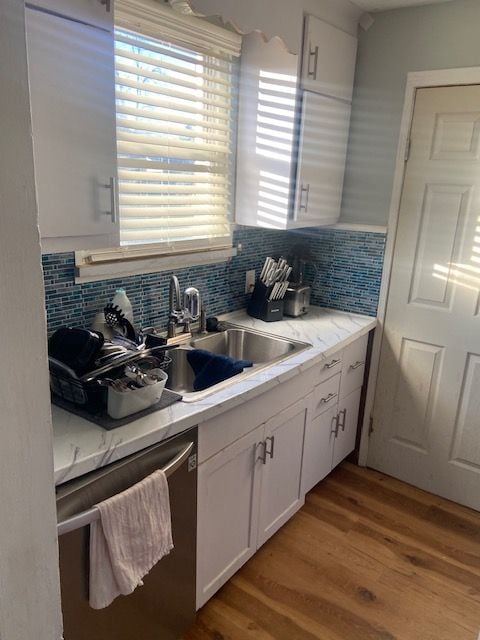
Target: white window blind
[175, 109]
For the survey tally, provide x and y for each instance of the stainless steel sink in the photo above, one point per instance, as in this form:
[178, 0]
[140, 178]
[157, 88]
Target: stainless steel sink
[262, 349]
[243, 344]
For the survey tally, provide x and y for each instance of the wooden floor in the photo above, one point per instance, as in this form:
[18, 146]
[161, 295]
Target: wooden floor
[367, 557]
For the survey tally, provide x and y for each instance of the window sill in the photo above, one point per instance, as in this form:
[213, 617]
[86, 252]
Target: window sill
[122, 267]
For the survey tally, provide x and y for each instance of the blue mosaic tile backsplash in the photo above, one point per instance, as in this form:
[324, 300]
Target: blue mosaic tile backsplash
[221, 285]
[345, 269]
[345, 274]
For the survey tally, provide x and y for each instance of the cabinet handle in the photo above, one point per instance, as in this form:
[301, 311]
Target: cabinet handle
[330, 396]
[263, 455]
[331, 364]
[113, 213]
[107, 4]
[312, 53]
[357, 364]
[269, 452]
[335, 425]
[303, 190]
[342, 413]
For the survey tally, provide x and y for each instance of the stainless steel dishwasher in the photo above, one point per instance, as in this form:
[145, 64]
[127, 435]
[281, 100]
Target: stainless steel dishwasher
[164, 607]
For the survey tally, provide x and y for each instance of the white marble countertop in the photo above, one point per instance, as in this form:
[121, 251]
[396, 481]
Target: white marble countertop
[79, 446]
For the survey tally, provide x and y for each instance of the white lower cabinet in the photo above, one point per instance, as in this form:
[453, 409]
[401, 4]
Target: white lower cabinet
[228, 498]
[318, 453]
[346, 427]
[331, 429]
[280, 495]
[246, 492]
[254, 470]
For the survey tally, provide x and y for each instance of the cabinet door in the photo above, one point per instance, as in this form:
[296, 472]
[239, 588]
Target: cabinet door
[318, 448]
[97, 13]
[347, 427]
[265, 141]
[72, 87]
[227, 513]
[280, 489]
[329, 55]
[321, 160]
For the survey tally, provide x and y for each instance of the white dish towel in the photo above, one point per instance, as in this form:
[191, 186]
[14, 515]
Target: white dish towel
[134, 532]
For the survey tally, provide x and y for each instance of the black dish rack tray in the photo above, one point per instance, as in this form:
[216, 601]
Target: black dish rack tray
[87, 391]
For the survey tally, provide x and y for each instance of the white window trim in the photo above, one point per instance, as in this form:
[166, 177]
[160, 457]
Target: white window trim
[92, 266]
[147, 16]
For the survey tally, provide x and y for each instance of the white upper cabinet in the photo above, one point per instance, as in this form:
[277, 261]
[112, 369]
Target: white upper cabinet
[72, 89]
[98, 13]
[292, 142]
[321, 160]
[266, 133]
[329, 56]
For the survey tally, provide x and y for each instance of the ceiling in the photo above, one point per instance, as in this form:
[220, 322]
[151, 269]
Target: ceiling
[384, 5]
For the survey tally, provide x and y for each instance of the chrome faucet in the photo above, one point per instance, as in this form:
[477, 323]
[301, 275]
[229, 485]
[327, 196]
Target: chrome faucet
[181, 315]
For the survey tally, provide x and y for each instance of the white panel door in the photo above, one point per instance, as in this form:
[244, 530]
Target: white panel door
[427, 407]
[227, 513]
[280, 488]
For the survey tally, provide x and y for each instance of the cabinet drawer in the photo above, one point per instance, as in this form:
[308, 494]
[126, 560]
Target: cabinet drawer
[327, 368]
[325, 395]
[353, 368]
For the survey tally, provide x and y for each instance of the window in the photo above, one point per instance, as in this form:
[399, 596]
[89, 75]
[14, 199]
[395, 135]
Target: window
[175, 117]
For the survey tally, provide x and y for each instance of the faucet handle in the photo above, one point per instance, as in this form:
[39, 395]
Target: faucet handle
[191, 302]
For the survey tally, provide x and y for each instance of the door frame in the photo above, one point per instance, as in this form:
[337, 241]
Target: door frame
[415, 80]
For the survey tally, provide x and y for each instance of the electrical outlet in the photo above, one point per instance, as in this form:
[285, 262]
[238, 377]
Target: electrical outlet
[249, 281]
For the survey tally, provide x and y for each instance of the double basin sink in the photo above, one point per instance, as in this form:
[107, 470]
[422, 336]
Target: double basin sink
[260, 348]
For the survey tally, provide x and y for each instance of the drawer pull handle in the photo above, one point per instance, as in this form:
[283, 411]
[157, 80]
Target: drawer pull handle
[269, 452]
[331, 364]
[342, 413]
[112, 186]
[312, 53]
[330, 396]
[304, 190]
[335, 426]
[263, 455]
[357, 364]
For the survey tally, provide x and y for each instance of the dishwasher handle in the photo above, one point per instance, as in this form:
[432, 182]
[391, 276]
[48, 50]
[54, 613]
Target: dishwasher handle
[87, 517]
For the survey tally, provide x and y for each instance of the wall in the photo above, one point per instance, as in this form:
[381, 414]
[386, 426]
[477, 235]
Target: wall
[345, 274]
[282, 18]
[439, 36]
[29, 587]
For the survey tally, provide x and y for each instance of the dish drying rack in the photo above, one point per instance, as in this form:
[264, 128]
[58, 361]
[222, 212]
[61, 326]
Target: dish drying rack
[90, 391]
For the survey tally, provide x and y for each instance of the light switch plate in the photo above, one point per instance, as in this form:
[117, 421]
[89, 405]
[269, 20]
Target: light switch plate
[249, 281]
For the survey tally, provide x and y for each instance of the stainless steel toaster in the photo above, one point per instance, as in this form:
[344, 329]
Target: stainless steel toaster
[297, 300]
